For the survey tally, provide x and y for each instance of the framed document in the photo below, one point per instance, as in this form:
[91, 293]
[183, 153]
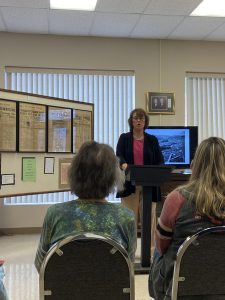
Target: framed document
[32, 127]
[160, 103]
[82, 128]
[59, 129]
[49, 165]
[7, 125]
[64, 166]
[7, 179]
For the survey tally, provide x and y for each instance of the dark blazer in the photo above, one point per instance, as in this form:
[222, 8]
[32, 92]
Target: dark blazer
[124, 150]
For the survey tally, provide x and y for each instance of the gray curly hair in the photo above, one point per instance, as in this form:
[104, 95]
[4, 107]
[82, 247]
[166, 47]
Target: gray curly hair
[95, 171]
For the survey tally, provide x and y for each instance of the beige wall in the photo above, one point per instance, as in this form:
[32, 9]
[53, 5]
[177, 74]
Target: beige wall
[158, 66]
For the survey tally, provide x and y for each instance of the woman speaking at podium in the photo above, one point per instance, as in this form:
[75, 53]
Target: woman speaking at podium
[136, 147]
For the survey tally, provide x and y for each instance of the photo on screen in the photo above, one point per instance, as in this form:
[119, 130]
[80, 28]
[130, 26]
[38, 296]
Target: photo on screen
[174, 145]
[178, 143]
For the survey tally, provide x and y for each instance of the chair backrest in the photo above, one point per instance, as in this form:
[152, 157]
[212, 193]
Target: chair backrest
[85, 267]
[199, 266]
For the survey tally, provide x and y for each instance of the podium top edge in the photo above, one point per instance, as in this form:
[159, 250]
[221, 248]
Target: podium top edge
[152, 166]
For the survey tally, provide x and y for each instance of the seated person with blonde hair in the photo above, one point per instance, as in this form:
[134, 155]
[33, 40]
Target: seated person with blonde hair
[94, 173]
[188, 209]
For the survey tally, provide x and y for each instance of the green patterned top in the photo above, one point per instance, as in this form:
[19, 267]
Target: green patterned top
[78, 216]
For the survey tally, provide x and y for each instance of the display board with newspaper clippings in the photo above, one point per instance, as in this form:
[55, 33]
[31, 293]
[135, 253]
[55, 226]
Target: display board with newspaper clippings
[48, 130]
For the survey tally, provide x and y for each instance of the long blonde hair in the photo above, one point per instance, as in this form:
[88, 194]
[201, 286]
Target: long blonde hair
[207, 182]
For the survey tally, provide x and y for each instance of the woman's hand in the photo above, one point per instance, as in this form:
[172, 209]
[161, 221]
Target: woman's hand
[124, 166]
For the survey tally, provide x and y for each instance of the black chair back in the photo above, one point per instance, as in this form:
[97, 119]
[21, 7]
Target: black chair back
[87, 267]
[199, 266]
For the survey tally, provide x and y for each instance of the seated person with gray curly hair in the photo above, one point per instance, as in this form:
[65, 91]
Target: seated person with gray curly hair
[94, 174]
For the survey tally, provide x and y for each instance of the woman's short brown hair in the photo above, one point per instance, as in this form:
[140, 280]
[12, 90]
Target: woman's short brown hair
[95, 171]
[141, 113]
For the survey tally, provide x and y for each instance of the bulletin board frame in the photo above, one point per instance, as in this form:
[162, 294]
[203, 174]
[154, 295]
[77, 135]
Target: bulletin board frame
[11, 162]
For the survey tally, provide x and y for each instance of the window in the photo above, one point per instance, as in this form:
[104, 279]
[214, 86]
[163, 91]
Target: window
[205, 103]
[112, 93]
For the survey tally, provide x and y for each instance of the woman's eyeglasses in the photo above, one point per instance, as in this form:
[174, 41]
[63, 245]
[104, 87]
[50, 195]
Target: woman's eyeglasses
[139, 118]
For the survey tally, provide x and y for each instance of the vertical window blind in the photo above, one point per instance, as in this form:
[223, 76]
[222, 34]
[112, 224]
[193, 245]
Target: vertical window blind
[113, 95]
[205, 103]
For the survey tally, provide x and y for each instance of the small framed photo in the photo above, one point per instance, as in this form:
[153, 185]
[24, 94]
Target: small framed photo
[64, 166]
[7, 179]
[49, 165]
[160, 103]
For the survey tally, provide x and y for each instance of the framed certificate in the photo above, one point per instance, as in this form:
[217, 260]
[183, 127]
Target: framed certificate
[32, 127]
[59, 129]
[8, 126]
[64, 166]
[49, 165]
[82, 128]
[7, 179]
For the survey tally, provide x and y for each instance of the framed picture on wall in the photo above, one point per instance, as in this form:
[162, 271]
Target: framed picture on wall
[7, 179]
[59, 129]
[49, 165]
[8, 126]
[64, 166]
[32, 127]
[82, 128]
[160, 103]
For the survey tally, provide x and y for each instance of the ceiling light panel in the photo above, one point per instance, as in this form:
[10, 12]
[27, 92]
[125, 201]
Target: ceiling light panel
[210, 8]
[73, 4]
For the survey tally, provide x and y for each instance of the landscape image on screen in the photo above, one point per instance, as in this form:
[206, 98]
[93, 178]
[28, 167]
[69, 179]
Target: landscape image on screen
[174, 144]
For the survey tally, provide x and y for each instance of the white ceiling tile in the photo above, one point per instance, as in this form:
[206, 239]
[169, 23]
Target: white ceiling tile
[115, 18]
[117, 25]
[172, 7]
[128, 6]
[2, 25]
[25, 20]
[218, 34]
[196, 27]
[155, 26]
[26, 3]
[70, 22]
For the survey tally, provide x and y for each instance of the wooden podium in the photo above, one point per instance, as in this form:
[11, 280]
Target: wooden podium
[147, 176]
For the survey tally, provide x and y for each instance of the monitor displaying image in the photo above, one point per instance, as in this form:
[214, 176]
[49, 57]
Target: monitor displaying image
[177, 143]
